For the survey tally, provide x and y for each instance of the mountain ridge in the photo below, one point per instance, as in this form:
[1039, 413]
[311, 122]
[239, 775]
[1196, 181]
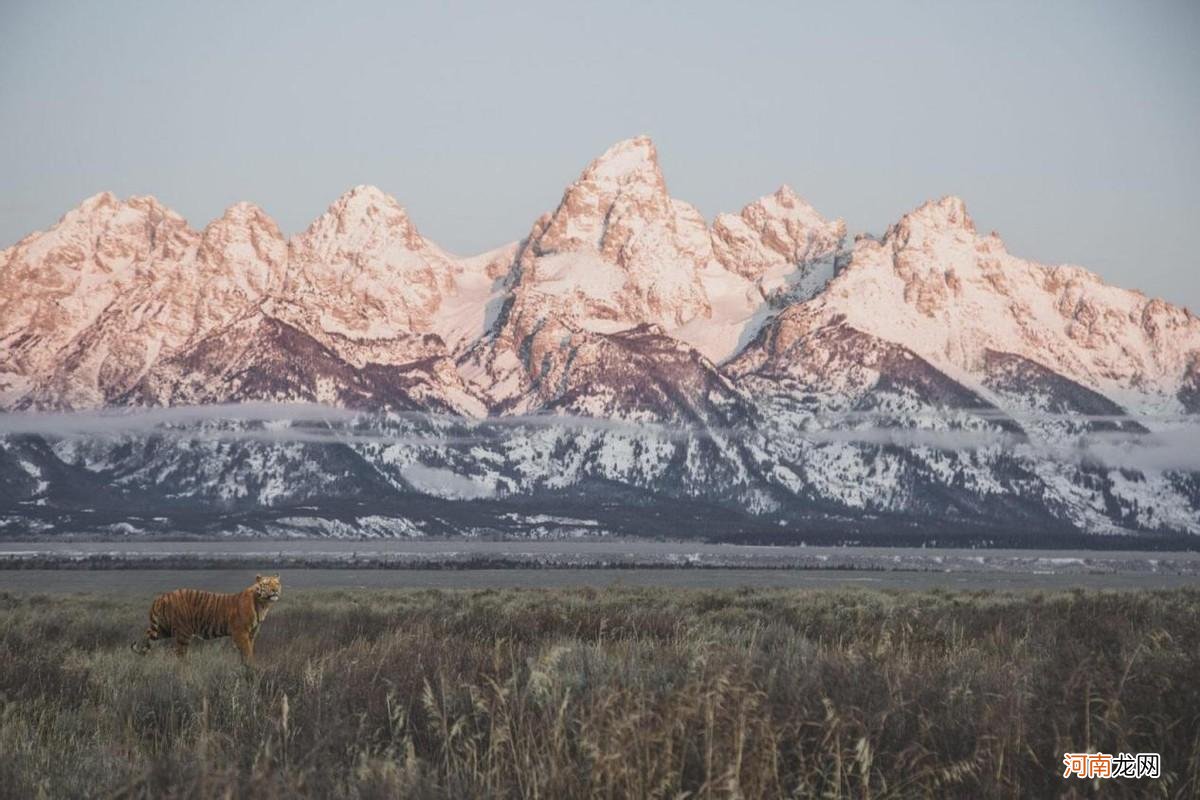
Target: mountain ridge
[806, 381]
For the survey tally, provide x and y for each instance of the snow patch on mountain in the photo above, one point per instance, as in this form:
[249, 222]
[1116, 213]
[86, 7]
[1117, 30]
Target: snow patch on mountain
[752, 367]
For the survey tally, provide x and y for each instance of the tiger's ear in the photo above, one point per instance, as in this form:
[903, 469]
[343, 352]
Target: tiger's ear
[258, 578]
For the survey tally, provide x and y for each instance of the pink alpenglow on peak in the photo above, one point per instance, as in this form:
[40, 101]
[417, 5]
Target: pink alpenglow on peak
[92, 307]
[780, 230]
[759, 369]
[935, 286]
[629, 161]
[366, 271]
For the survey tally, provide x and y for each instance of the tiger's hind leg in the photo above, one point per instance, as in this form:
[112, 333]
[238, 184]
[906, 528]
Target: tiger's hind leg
[181, 644]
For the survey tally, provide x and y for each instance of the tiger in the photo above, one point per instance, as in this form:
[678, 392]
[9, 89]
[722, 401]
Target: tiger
[187, 614]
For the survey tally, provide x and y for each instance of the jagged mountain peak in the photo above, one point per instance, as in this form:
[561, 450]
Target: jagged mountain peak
[245, 239]
[245, 212]
[364, 196]
[365, 213]
[779, 231]
[935, 217]
[242, 256]
[106, 210]
[783, 202]
[98, 200]
[936, 286]
[629, 160]
[148, 202]
[365, 283]
[245, 222]
[622, 304]
[617, 251]
[786, 197]
[364, 229]
[106, 202]
[82, 300]
[102, 236]
[616, 197]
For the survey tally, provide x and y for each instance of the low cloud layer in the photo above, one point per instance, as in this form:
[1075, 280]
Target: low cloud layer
[118, 422]
[1175, 444]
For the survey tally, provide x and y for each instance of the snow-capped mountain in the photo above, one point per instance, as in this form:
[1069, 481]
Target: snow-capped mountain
[626, 367]
[933, 284]
[618, 253]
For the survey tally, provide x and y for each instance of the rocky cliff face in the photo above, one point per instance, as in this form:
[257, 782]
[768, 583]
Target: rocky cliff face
[619, 252]
[625, 367]
[69, 296]
[935, 285]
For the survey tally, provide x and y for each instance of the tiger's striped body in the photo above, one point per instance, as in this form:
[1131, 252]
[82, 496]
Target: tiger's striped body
[187, 614]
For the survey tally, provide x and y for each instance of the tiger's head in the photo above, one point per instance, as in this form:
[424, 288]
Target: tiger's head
[267, 587]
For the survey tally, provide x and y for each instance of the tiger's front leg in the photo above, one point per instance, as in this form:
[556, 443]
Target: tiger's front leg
[157, 630]
[245, 645]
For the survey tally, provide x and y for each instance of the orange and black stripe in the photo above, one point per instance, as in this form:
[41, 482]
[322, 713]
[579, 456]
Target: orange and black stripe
[187, 614]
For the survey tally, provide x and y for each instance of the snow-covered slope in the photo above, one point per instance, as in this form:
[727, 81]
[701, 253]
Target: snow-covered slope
[88, 273]
[363, 274]
[934, 320]
[627, 366]
[619, 252]
[122, 302]
[938, 287]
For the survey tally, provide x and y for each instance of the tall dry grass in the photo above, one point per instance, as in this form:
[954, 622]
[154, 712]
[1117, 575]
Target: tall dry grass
[612, 694]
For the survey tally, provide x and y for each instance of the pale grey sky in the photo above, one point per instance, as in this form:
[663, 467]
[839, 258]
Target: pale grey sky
[1069, 127]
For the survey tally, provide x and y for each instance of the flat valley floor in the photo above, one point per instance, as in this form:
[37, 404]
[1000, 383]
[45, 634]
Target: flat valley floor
[396, 564]
[623, 691]
[125, 581]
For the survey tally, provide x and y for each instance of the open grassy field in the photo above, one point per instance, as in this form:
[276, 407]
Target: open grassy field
[607, 693]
